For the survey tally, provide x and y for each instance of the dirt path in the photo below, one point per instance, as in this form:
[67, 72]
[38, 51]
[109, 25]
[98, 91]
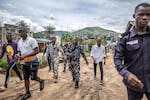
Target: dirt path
[90, 89]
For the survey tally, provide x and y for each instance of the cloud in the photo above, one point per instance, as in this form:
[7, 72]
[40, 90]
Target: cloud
[70, 14]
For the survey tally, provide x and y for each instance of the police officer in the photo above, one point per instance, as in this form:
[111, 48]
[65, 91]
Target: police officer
[65, 49]
[53, 50]
[132, 55]
[74, 52]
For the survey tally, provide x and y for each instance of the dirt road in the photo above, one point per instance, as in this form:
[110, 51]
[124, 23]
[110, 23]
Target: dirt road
[90, 89]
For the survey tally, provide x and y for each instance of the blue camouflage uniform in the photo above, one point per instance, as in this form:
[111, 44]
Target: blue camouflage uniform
[75, 60]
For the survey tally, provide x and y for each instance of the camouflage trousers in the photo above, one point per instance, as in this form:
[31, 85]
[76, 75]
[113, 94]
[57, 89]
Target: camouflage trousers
[75, 70]
[67, 64]
[55, 63]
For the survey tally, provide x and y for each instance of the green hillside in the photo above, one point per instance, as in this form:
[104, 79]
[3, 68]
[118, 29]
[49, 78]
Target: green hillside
[94, 31]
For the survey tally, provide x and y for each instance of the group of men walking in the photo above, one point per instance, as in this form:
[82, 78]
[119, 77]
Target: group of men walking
[131, 57]
[71, 54]
[26, 51]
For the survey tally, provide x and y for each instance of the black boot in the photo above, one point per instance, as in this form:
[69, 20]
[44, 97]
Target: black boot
[76, 84]
[41, 85]
[73, 79]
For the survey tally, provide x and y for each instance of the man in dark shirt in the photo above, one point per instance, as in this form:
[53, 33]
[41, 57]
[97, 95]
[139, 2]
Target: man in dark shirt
[10, 48]
[65, 49]
[132, 55]
[48, 57]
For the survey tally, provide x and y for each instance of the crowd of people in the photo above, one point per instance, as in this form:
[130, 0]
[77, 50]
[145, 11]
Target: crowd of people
[26, 49]
[131, 57]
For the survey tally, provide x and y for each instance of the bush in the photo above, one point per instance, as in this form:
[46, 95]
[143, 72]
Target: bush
[3, 63]
[43, 62]
[87, 53]
[19, 65]
[90, 46]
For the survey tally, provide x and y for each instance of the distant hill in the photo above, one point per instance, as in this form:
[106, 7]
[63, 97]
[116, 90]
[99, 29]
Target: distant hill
[55, 32]
[41, 34]
[94, 31]
[59, 33]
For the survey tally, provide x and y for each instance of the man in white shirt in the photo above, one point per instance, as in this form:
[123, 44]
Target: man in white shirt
[28, 49]
[98, 54]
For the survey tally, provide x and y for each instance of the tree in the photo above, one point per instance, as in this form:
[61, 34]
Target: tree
[22, 23]
[67, 38]
[49, 30]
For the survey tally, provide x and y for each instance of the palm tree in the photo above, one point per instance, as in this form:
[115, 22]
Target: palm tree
[49, 30]
[21, 23]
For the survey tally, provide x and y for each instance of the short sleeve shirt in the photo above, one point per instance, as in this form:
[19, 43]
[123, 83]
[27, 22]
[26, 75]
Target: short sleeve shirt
[27, 46]
[10, 49]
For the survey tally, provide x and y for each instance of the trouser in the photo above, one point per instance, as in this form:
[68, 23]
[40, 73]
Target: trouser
[132, 95]
[30, 69]
[75, 70]
[9, 69]
[55, 67]
[101, 69]
[49, 62]
[65, 64]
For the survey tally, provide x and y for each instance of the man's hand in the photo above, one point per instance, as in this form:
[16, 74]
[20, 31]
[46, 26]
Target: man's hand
[22, 57]
[65, 60]
[71, 54]
[104, 60]
[17, 56]
[134, 81]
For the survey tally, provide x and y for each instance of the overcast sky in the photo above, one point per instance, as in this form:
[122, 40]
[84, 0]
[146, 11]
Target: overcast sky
[69, 15]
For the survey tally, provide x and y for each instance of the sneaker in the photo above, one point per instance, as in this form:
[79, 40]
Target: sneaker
[2, 89]
[26, 96]
[41, 85]
[101, 82]
[5, 85]
[55, 79]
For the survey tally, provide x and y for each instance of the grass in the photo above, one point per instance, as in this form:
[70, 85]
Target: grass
[3, 63]
[87, 54]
